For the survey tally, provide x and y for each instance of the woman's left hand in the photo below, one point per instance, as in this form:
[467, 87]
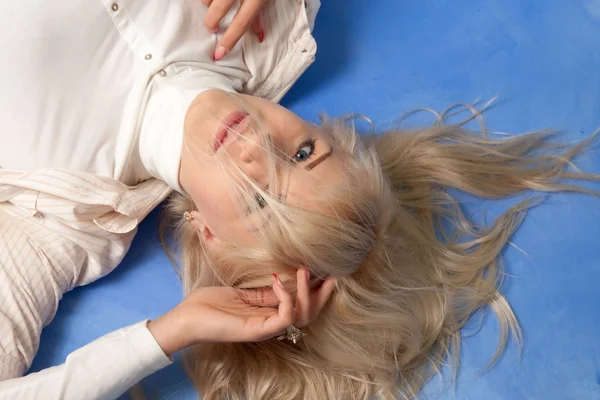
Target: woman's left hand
[248, 16]
[225, 314]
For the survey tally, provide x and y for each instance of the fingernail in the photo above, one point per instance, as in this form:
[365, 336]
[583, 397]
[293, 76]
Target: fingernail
[307, 273]
[261, 36]
[220, 53]
[279, 283]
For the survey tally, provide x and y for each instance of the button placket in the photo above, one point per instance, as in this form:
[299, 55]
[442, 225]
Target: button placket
[135, 38]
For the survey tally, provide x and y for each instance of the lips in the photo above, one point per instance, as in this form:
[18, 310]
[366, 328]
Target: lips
[229, 123]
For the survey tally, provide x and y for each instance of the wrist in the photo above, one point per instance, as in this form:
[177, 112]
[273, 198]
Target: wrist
[169, 331]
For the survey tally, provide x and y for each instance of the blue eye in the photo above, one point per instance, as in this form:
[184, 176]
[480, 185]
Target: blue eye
[305, 151]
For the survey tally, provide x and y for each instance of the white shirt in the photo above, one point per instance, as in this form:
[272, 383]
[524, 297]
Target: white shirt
[82, 74]
[103, 369]
[102, 87]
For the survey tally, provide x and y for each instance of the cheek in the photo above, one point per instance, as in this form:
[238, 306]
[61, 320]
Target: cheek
[214, 201]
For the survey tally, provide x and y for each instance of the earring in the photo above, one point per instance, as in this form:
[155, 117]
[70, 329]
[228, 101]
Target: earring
[188, 216]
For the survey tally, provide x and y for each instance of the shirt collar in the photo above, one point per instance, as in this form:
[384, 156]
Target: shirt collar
[161, 134]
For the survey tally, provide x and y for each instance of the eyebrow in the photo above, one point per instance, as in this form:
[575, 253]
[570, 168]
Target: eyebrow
[319, 160]
[283, 196]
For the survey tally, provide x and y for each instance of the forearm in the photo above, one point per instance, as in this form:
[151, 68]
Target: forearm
[103, 369]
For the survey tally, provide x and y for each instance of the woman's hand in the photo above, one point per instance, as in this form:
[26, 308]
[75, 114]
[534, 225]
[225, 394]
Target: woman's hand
[224, 314]
[247, 16]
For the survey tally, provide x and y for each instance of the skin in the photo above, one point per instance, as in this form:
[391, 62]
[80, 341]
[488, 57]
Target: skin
[202, 175]
[247, 17]
[224, 314]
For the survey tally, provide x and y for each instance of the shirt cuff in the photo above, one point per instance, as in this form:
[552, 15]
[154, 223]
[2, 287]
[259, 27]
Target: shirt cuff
[144, 343]
[115, 362]
[104, 369]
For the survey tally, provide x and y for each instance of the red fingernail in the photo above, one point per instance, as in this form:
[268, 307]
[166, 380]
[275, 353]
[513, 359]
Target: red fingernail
[279, 283]
[261, 36]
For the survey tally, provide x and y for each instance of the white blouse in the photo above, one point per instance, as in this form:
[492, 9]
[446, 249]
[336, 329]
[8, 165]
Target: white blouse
[102, 86]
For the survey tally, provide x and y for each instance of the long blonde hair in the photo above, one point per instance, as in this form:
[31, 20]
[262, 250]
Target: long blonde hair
[413, 268]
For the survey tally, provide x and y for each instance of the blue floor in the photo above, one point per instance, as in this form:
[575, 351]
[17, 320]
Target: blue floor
[385, 57]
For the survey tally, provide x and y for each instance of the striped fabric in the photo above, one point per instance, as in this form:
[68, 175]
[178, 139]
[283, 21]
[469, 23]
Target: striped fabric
[58, 230]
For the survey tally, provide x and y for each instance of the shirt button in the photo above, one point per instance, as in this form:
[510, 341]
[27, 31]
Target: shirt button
[162, 72]
[148, 56]
[114, 7]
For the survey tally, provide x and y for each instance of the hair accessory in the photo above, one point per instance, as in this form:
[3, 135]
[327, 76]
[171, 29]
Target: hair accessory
[292, 333]
[188, 216]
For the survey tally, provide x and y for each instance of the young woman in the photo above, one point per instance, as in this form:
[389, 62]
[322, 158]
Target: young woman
[354, 227]
[93, 105]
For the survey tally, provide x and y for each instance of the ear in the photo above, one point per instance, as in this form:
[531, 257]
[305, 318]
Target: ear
[203, 231]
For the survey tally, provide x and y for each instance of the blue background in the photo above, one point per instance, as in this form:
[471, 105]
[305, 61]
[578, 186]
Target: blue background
[382, 58]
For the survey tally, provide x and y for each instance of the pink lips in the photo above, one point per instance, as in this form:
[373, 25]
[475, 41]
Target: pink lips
[227, 124]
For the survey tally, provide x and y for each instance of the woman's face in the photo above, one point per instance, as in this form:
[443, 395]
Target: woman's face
[209, 161]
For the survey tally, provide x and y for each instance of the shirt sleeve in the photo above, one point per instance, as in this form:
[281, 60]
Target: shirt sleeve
[103, 369]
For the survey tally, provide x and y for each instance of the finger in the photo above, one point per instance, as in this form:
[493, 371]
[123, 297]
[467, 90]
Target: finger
[217, 10]
[258, 28]
[261, 297]
[284, 318]
[206, 2]
[261, 311]
[240, 24]
[322, 296]
[302, 298]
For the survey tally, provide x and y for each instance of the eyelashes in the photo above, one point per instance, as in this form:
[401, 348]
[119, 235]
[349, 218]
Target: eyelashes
[260, 201]
[304, 152]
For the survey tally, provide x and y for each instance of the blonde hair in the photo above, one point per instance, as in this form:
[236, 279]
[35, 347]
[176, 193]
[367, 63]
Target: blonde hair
[413, 268]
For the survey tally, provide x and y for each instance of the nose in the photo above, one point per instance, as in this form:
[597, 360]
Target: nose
[252, 158]
[252, 149]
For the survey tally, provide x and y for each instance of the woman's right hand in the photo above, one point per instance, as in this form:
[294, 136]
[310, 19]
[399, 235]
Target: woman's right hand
[225, 314]
[247, 17]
